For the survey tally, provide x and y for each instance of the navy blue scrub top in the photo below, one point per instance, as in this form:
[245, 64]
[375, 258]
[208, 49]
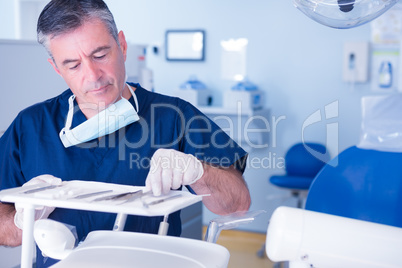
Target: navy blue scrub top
[31, 147]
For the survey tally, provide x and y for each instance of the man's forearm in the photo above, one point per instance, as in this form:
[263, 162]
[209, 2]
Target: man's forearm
[10, 235]
[229, 192]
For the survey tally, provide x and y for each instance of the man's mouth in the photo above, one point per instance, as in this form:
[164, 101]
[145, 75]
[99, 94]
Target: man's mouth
[100, 89]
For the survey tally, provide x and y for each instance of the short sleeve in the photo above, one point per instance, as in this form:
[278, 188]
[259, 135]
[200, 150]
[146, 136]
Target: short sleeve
[208, 142]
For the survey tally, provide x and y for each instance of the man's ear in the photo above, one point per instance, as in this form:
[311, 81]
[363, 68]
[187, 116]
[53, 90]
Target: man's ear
[51, 61]
[123, 44]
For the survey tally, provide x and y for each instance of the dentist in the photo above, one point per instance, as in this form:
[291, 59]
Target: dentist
[105, 129]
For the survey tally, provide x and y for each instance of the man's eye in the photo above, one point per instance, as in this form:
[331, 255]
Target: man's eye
[99, 57]
[74, 67]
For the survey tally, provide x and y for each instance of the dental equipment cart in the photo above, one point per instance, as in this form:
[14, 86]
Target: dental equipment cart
[106, 197]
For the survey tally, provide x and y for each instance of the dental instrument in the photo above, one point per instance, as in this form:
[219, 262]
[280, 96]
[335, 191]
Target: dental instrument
[161, 200]
[41, 189]
[81, 196]
[117, 196]
[136, 195]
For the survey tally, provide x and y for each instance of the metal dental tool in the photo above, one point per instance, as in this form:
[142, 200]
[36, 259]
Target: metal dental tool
[82, 196]
[41, 189]
[126, 195]
[136, 195]
[161, 200]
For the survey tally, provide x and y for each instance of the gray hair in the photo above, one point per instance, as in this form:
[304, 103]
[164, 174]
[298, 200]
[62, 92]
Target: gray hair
[63, 16]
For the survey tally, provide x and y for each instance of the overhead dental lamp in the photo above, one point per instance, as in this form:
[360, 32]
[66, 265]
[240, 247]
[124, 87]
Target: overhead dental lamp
[343, 14]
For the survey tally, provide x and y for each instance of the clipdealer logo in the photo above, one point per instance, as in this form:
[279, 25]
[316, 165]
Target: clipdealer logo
[331, 111]
[243, 131]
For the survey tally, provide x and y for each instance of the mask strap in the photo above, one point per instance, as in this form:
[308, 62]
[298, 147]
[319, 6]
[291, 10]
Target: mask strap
[69, 120]
[134, 97]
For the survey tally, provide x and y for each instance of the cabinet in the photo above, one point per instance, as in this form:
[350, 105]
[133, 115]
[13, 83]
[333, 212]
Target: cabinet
[249, 128]
[25, 81]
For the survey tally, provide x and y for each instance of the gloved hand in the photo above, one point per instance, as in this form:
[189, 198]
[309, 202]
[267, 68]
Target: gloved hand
[171, 169]
[40, 212]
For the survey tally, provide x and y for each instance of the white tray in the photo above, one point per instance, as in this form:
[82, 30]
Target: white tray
[63, 197]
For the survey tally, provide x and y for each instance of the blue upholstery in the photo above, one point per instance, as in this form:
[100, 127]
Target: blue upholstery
[365, 185]
[301, 166]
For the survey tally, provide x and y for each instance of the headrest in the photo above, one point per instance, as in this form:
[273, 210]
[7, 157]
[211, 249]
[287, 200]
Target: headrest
[306, 159]
[382, 123]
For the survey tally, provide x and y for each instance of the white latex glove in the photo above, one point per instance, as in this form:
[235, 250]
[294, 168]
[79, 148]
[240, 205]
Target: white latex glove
[40, 212]
[171, 169]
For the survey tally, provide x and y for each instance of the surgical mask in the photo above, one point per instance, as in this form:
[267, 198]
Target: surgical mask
[111, 119]
[343, 14]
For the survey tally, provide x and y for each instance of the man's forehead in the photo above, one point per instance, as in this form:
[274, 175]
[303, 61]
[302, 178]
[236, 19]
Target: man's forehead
[89, 37]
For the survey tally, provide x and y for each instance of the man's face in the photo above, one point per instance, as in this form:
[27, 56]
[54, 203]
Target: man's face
[92, 64]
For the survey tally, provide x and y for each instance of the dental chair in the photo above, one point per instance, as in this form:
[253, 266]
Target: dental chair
[301, 167]
[353, 210]
[120, 249]
[364, 185]
[365, 182]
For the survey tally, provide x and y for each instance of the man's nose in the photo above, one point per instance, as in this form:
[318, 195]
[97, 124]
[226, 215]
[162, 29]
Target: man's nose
[92, 71]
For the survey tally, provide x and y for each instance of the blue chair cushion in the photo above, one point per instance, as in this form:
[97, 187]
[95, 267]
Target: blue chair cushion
[360, 184]
[300, 162]
[292, 182]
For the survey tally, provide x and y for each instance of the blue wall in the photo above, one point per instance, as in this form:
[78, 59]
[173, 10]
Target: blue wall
[296, 61]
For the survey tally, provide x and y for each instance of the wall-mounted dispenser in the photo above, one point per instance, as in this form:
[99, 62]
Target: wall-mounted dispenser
[355, 62]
